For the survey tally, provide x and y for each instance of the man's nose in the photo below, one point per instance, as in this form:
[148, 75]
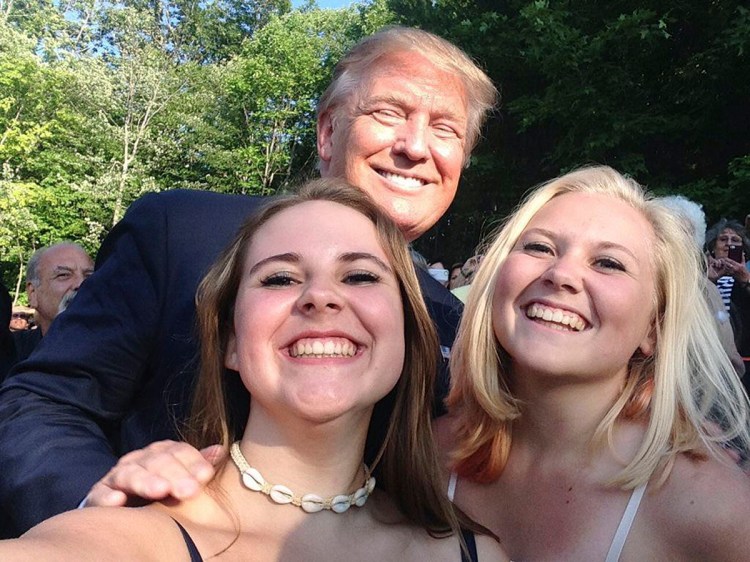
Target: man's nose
[413, 138]
[78, 278]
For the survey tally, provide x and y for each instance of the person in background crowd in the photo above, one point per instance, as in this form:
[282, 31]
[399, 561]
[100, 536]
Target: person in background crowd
[467, 273]
[592, 403]
[399, 120]
[323, 268]
[728, 248]
[695, 221]
[456, 279]
[21, 319]
[438, 272]
[55, 273]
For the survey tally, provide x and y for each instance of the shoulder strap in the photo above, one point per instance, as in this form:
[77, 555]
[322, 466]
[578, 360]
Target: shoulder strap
[195, 556]
[452, 481]
[621, 535]
[471, 547]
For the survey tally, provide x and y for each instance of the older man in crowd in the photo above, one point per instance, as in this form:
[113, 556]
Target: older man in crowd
[399, 120]
[53, 276]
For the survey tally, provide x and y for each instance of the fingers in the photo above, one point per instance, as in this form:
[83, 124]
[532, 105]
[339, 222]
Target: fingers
[214, 454]
[162, 469]
[103, 496]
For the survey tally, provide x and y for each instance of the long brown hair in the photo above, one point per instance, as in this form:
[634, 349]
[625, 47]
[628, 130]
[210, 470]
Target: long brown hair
[400, 445]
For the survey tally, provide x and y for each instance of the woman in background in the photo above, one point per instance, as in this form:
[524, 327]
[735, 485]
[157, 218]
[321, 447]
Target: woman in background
[728, 249]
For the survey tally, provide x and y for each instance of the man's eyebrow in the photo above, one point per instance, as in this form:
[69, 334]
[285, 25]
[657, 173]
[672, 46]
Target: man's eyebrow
[62, 269]
[354, 256]
[288, 257]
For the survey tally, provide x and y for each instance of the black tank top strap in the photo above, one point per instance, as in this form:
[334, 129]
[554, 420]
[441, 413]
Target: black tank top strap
[195, 556]
[471, 546]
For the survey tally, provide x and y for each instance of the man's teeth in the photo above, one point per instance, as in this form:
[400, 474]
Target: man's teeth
[555, 315]
[336, 347]
[402, 181]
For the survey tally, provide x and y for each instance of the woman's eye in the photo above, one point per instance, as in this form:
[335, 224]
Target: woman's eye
[609, 263]
[537, 247]
[361, 278]
[283, 279]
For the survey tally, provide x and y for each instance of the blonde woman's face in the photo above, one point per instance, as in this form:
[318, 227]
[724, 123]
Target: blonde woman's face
[575, 296]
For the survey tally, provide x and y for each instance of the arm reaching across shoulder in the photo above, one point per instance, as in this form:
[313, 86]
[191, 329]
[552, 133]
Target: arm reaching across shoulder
[60, 409]
[116, 369]
[164, 468]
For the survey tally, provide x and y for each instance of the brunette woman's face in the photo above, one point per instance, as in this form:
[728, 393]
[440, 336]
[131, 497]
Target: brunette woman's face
[318, 324]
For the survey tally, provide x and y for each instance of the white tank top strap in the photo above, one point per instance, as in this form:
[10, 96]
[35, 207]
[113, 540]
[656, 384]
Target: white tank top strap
[452, 481]
[621, 535]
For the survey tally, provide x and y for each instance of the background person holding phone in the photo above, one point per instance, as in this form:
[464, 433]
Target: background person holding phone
[728, 248]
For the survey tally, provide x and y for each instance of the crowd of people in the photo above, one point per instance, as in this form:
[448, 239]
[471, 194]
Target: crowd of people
[285, 384]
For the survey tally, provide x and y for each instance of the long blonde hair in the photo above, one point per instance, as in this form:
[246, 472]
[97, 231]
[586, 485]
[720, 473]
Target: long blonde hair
[687, 391]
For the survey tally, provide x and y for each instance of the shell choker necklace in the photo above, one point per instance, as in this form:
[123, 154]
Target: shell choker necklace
[310, 503]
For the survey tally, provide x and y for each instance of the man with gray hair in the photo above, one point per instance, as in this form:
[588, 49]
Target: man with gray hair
[53, 276]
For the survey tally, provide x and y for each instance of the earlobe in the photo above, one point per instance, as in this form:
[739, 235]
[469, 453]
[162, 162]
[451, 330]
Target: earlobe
[31, 292]
[325, 136]
[649, 342]
[230, 359]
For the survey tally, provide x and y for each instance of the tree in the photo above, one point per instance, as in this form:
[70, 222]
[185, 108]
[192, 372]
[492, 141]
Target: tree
[646, 87]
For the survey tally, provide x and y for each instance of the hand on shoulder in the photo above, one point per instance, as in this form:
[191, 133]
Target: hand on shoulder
[163, 469]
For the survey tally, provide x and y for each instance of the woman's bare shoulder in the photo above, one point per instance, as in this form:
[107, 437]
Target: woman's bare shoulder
[488, 549]
[703, 509]
[99, 533]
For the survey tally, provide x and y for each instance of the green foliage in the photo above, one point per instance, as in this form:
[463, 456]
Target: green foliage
[657, 90]
[102, 101]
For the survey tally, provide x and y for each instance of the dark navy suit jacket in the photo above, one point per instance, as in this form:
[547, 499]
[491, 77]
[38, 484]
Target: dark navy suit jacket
[117, 368]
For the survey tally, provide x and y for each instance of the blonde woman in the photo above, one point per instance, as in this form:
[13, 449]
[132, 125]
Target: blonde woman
[592, 406]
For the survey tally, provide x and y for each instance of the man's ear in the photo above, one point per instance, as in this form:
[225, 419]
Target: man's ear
[230, 359]
[325, 136]
[31, 293]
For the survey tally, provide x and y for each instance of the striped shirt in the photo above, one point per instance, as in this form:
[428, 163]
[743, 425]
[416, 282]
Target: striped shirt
[725, 284]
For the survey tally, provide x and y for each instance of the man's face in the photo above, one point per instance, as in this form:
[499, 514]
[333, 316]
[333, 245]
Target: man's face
[401, 138]
[61, 269]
